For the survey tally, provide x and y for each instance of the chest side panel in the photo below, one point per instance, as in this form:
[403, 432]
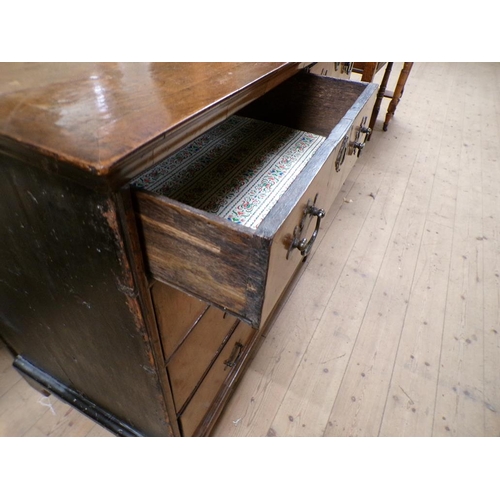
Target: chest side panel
[68, 303]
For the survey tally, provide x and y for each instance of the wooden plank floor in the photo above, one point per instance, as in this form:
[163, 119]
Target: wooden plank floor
[394, 326]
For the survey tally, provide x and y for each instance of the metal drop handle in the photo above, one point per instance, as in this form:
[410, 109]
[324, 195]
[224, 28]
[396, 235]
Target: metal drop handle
[305, 246]
[298, 241]
[234, 356]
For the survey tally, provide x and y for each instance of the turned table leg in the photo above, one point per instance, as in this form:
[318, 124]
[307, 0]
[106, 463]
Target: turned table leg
[380, 96]
[398, 92]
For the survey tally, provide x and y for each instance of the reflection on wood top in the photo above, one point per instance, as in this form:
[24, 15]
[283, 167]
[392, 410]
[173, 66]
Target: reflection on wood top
[96, 116]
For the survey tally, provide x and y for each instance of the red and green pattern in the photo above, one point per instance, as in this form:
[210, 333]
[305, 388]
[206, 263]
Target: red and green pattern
[237, 170]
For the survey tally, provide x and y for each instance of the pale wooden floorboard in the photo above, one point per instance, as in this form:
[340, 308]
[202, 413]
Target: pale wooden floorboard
[490, 154]
[394, 326]
[26, 412]
[383, 352]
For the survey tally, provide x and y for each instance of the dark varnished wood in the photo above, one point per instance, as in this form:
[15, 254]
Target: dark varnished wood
[203, 254]
[47, 384]
[78, 307]
[133, 249]
[307, 102]
[113, 119]
[69, 303]
[322, 107]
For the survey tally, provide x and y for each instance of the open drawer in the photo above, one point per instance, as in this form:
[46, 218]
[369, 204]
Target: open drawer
[211, 253]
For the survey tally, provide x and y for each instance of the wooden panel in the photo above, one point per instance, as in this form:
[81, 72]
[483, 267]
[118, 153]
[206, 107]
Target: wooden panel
[282, 263]
[356, 136]
[193, 358]
[326, 184]
[215, 379]
[176, 314]
[203, 254]
[311, 103]
[118, 117]
[69, 303]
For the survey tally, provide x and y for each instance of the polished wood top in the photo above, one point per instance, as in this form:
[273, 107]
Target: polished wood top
[115, 119]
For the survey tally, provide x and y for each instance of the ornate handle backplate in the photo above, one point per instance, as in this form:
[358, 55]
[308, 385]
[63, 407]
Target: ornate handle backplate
[341, 154]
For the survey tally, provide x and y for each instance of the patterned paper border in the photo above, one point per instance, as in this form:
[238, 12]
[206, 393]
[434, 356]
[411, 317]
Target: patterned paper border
[237, 170]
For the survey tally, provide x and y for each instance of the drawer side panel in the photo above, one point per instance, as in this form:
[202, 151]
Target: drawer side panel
[204, 255]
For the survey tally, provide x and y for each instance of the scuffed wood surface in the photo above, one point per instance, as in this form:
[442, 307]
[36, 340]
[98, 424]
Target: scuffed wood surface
[111, 119]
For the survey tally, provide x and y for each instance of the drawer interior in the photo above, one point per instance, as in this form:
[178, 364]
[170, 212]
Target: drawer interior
[308, 102]
[238, 170]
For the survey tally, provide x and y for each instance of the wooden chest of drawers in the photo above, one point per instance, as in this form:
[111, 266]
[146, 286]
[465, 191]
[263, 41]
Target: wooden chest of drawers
[137, 308]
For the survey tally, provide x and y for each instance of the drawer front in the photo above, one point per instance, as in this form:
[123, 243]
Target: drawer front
[218, 379]
[358, 136]
[193, 358]
[176, 314]
[295, 239]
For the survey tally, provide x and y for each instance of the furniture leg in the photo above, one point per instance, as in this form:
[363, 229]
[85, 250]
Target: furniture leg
[398, 92]
[380, 95]
[369, 70]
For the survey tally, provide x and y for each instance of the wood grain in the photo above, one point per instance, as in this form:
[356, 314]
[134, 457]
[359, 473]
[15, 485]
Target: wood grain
[310, 102]
[218, 379]
[193, 359]
[320, 316]
[203, 254]
[176, 313]
[69, 302]
[112, 119]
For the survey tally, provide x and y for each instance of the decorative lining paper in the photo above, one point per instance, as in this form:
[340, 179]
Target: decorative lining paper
[238, 170]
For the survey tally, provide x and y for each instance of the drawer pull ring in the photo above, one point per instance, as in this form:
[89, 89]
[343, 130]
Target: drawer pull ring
[235, 355]
[305, 248]
[301, 243]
